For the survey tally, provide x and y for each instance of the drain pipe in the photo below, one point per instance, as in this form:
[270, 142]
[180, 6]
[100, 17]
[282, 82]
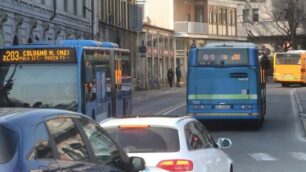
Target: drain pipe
[54, 10]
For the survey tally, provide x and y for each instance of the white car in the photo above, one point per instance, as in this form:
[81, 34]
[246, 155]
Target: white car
[170, 143]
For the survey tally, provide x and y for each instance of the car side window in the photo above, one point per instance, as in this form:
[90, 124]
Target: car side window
[194, 138]
[207, 138]
[43, 148]
[105, 150]
[68, 140]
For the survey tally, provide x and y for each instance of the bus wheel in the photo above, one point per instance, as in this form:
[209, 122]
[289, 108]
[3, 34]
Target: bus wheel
[285, 84]
[259, 123]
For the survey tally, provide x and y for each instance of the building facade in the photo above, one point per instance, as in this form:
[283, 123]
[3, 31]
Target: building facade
[174, 26]
[26, 21]
[256, 21]
[119, 21]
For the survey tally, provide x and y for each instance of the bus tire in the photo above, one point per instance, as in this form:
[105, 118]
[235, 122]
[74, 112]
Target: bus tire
[259, 123]
[285, 84]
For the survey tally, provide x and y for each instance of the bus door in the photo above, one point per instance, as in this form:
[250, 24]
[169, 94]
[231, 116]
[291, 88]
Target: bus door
[118, 84]
[96, 65]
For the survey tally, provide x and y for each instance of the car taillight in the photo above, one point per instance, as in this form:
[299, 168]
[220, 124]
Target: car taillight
[176, 165]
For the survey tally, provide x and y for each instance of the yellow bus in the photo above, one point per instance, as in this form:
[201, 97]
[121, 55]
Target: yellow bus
[289, 67]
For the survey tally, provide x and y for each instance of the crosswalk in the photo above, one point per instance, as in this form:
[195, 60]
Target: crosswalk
[261, 156]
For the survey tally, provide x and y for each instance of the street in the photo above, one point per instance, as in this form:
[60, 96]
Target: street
[280, 146]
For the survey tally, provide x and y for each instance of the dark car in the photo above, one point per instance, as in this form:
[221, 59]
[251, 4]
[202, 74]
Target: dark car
[39, 140]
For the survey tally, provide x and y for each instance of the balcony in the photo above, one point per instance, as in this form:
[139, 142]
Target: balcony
[191, 27]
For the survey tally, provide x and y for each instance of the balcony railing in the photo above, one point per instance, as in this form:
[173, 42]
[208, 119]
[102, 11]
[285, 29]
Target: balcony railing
[191, 27]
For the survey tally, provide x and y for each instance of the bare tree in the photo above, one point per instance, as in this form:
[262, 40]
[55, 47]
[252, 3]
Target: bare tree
[288, 15]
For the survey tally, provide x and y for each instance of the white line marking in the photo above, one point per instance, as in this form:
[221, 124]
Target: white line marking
[170, 109]
[298, 155]
[262, 157]
[298, 125]
[178, 106]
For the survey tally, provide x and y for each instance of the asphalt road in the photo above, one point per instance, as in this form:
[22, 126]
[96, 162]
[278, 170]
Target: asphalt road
[280, 146]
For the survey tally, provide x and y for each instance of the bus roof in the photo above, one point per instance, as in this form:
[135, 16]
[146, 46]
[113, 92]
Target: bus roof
[230, 45]
[74, 43]
[296, 51]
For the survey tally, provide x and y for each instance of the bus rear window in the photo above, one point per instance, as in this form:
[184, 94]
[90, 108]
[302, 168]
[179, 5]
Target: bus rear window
[8, 141]
[222, 57]
[292, 59]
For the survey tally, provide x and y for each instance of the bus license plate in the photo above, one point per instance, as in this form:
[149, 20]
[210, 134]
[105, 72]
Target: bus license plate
[222, 106]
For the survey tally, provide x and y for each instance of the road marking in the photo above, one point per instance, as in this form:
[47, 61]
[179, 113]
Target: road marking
[170, 109]
[299, 127]
[262, 157]
[298, 155]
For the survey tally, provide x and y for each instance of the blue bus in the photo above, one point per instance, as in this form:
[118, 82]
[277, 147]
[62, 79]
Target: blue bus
[86, 76]
[226, 81]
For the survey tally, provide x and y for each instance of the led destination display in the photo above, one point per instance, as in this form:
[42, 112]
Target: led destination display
[38, 55]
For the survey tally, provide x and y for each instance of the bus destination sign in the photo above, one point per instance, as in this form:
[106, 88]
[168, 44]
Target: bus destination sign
[38, 55]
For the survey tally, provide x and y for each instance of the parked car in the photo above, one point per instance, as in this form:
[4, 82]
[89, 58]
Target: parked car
[39, 140]
[170, 143]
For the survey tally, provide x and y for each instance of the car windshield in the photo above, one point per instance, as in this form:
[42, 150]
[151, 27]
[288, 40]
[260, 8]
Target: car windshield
[8, 141]
[152, 139]
[39, 85]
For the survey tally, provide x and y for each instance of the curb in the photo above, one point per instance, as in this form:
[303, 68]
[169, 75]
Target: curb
[302, 116]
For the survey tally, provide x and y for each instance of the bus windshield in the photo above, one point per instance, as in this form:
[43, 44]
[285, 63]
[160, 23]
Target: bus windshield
[286, 58]
[222, 57]
[39, 85]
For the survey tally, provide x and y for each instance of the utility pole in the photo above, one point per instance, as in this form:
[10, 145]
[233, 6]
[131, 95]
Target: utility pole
[92, 19]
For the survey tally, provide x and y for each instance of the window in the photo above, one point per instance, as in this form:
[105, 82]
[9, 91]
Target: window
[50, 85]
[199, 13]
[96, 61]
[196, 136]
[84, 8]
[8, 144]
[255, 15]
[75, 7]
[42, 149]
[246, 14]
[65, 5]
[68, 140]
[105, 150]
[146, 139]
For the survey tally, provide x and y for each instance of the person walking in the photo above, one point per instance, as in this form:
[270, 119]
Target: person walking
[170, 75]
[178, 73]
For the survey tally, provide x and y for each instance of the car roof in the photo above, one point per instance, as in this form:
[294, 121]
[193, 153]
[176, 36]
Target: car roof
[167, 121]
[29, 115]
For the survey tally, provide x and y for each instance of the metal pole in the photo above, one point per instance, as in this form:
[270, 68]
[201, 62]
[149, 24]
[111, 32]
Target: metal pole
[92, 19]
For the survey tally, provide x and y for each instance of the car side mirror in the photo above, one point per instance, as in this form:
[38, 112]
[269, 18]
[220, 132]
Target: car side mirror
[136, 164]
[224, 143]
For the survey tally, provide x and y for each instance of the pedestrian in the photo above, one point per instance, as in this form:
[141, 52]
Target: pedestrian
[170, 75]
[178, 73]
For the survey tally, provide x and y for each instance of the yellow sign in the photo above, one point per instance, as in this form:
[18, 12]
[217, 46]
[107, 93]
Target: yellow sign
[38, 55]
